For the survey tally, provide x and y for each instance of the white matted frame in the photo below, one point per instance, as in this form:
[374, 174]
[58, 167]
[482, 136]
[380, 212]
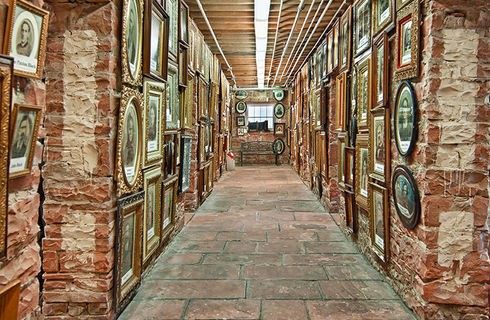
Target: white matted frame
[154, 122]
[151, 216]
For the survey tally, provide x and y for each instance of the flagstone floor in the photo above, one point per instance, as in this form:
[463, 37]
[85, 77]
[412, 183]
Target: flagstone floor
[263, 247]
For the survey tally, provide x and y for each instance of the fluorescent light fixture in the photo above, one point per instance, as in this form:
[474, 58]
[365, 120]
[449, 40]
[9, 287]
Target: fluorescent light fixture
[261, 24]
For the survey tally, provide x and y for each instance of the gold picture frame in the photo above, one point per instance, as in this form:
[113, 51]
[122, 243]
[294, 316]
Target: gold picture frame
[363, 99]
[27, 28]
[172, 120]
[151, 214]
[155, 46]
[25, 127]
[132, 42]
[383, 13]
[345, 51]
[172, 9]
[128, 244]
[129, 143]
[407, 48]
[343, 143]
[362, 171]
[187, 105]
[379, 221]
[169, 198]
[380, 71]
[154, 122]
[279, 129]
[6, 72]
[341, 102]
[362, 26]
[379, 141]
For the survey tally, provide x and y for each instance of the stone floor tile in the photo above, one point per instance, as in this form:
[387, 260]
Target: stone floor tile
[359, 290]
[299, 235]
[303, 226]
[283, 289]
[240, 247]
[198, 236]
[323, 259]
[154, 310]
[358, 310]
[281, 246]
[180, 258]
[243, 259]
[352, 272]
[330, 235]
[223, 309]
[316, 217]
[189, 289]
[199, 246]
[274, 216]
[284, 272]
[330, 247]
[188, 272]
[284, 309]
[250, 236]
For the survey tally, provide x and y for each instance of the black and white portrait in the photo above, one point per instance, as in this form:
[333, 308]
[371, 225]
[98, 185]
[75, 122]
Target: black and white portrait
[133, 37]
[153, 124]
[156, 44]
[23, 137]
[150, 212]
[406, 43]
[127, 249]
[130, 143]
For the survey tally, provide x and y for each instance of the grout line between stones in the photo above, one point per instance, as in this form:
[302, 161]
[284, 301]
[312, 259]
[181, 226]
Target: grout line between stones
[186, 307]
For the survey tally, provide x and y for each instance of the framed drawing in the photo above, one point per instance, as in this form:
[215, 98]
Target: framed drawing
[345, 51]
[169, 162]
[172, 118]
[380, 71]
[129, 143]
[341, 102]
[278, 146]
[132, 40]
[240, 121]
[187, 106]
[383, 12]
[202, 95]
[406, 196]
[363, 93]
[182, 66]
[279, 110]
[154, 122]
[155, 42]
[241, 107]
[192, 48]
[362, 26]
[25, 126]
[128, 244]
[6, 72]
[401, 3]
[405, 119]
[169, 194]
[241, 94]
[341, 171]
[350, 153]
[350, 211]
[183, 23]
[335, 44]
[185, 167]
[379, 144]
[323, 61]
[379, 221]
[407, 42]
[330, 51]
[151, 217]
[27, 29]
[172, 8]
[279, 129]
[278, 94]
[362, 168]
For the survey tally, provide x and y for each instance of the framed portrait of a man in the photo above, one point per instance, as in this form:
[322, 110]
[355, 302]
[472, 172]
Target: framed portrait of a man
[172, 8]
[151, 217]
[362, 171]
[169, 195]
[154, 122]
[363, 93]
[155, 46]
[26, 38]
[380, 71]
[362, 26]
[405, 117]
[128, 244]
[185, 169]
[407, 42]
[183, 23]
[406, 196]
[379, 142]
[345, 49]
[279, 129]
[25, 125]
[132, 41]
[379, 221]
[382, 15]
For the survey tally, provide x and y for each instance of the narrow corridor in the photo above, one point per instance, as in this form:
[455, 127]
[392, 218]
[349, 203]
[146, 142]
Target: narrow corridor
[263, 247]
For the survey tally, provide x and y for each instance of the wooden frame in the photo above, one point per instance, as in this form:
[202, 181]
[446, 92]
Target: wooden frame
[350, 211]
[318, 120]
[322, 137]
[169, 162]
[407, 200]
[383, 13]
[363, 99]
[172, 9]
[172, 119]
[362, 171]
[379, 141]
[405, 119]
[155, 41]
[240, 121]
[324, 56]
[154, 122]
[202, 96]
[27, 31]
[335, 44]
[350, 156]
[279, 129]
[345, 51]
[151, 217]
[129, 143]
[183, 66]
[341, 102]
[380, 71]
[185, 167]
[169, 196]
[362, 26]
[9, 300]
[183, 23]
[279, 110]
[6, 73]
[407, 42]
[132, 41]
[329, 38]
[278, 146]
[192, 48]
[25, 127]
[128, 244]
[342, 141]
[379, 221]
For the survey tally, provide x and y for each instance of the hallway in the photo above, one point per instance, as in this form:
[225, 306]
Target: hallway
[262, 247]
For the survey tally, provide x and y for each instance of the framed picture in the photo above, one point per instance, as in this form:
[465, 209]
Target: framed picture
[341, 102]
[27, 28]
[6, 73]
[185, 167]
[172, 8]
[132, 41]
[323, 61]
[330, 51]
[342, 145]
[383, 12]
[183, 23]
[279, 129]
[278, 146]
[240, 120]
[350, 153]
[350, 211]
[406, 196]
[192, 48]
[155, 46]
[278, 94]
[202, 95]
[25, 126]
[279, 110]
[241, 107]
[241, 94]
[173, 107]
[169, 194]
[407, 42]
[405, 119]
[401, 3]
[335, 44]
[169, 162]
[362, 26]
[129, 142]
[345, 51]
[379, 222]
[182, 66]
[362, 171]
[241, 131]
[154, 122]
[323, 154]
[187, 105]
[151, 217]
[380, 70]
[128, 244]
[380, 144]
[363, 93]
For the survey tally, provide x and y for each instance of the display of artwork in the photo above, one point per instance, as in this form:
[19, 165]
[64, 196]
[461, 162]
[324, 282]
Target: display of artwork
[185, 169]
[132, 41]
[406, 196]
[405, 118]
[407, 42]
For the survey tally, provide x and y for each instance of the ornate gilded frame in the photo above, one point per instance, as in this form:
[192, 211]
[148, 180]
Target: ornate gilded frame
[407, 65]
[362, 171]
[173, 106]
[379, 221]
[364, 98]
[151, 217]
[379, 141]
[380, 71]
[382, 21]
[155, 68]
[341, 102]
[169, 197]
[28, 65]
[154, 92]
[345, 50]
[132, 77]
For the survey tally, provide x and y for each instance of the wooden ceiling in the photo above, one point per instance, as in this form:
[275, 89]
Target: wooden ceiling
[233, 25]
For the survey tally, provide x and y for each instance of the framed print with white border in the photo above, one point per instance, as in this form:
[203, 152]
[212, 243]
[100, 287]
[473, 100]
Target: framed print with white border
[132, 42]
[151, 217]
[154, 122]
[407, 42]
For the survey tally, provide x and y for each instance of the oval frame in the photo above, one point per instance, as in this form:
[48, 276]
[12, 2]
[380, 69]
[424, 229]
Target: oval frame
[241, 94]
[241, 107]
[278, 94]
[403, 150]
[411, 221]
[279, 110]
[278, 146]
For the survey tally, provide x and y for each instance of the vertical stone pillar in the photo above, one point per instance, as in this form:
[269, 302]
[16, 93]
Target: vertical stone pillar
[80, 204]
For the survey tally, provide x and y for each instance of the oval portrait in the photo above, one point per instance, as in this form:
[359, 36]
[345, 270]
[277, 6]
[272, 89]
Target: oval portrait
[405, 119]
[406, 196]
[279, 110]
[133, 38]
[241, 107]
[130, 143]
[278, 146]
[241, 94]
[278, 94]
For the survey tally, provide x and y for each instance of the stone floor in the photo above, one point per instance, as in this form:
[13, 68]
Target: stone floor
[262, 247]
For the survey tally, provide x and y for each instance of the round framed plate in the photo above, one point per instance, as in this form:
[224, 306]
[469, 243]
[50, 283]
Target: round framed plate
[278, 94]
[241, 107]
[279, 110]
[278, 146]
[405, 119]
[406, 196]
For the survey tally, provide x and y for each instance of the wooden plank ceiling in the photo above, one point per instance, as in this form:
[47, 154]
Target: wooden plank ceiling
[233, 24]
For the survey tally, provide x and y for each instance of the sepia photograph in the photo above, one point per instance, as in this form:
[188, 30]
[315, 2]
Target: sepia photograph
[151, 217]
[130, 144]
[132, 41]
[406, 196]
[363, 93]
[379, 221]
[362, 171]
[155, 42]
[405, 119]
[380, 83]
[407, 42]
[362, 28]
